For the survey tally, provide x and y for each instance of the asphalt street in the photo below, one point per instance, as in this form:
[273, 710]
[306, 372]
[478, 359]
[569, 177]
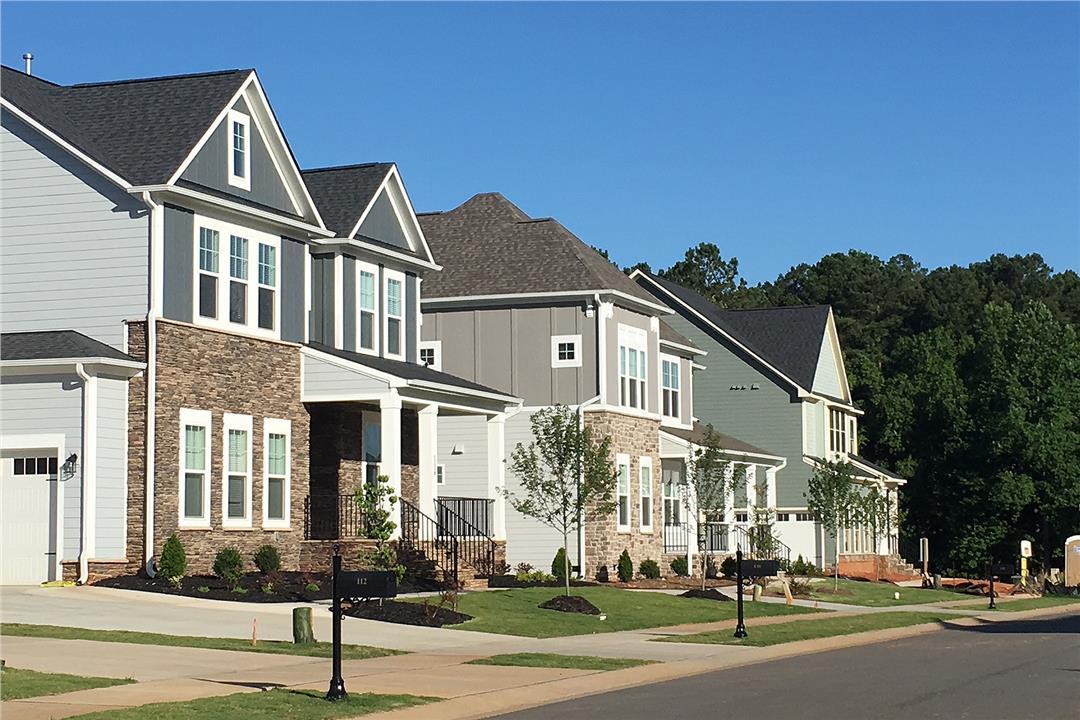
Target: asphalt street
[998, 671]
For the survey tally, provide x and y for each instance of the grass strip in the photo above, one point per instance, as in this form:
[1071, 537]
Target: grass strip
[275, 704]
[878, 594]
[274, 647]
[16, 683]
[1007, 605]
[779, 633]
[551, 660]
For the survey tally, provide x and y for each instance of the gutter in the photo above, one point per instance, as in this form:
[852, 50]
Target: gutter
[157, 228]
[581, 477]
[89, 471]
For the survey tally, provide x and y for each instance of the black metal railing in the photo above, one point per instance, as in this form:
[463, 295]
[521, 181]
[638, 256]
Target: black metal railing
[476, 548]
[759, 543]
[678, 537]
[474, 512]
[422, 534]
[333, 517]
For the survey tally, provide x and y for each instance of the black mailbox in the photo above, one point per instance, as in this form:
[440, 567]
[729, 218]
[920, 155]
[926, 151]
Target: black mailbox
[760, 568]
[367, 584]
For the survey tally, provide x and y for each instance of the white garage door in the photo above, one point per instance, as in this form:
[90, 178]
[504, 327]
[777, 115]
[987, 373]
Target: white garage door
[26, 483]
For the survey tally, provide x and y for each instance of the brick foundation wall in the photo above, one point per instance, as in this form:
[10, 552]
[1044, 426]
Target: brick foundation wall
[204, 369]
[315, 555]
[637, 437]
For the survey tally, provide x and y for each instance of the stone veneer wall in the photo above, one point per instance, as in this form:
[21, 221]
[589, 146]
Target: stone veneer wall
[637, 437]
[204, 369]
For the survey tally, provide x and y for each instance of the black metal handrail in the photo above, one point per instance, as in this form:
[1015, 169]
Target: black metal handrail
[475, 511]
[422, 533]
[761, 544]
[476, 547]
[676, 538]
[333, 517]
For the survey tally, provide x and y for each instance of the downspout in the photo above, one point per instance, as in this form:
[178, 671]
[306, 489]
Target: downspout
[157, 225]
[581, 478]
[89, 470]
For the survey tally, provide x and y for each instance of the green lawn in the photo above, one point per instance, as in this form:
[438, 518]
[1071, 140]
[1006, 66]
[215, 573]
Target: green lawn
[273, 705]
[277, 647]
[778, 633]
[1007, 605]
[515, 612]
[873, 594]
[549, 660]
[16, 683]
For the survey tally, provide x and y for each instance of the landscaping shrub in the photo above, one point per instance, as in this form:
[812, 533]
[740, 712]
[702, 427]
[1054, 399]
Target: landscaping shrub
[602, 574]
[710, 568]
[680, 567]
[523, 567]
[728, 568]
[802, 567]
[267, 559]
[558, 565]
[173, 561]
[626, 567]
[650, 569]
[229, 566]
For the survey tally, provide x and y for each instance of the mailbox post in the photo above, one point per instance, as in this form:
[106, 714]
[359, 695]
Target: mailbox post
[740, 627]
[337, 683]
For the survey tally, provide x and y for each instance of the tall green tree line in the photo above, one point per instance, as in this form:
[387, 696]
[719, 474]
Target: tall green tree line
[970, 376]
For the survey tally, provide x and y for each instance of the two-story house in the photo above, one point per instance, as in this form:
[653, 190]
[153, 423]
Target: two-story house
[775, 377]
[525, 306]
[198, 338]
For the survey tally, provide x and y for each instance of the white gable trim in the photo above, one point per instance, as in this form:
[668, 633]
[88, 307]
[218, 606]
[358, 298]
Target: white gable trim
[403, 209]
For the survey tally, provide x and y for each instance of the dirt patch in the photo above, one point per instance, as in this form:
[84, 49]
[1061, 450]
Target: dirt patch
[406, 613]
[509, 581]
[672, 583]
[706, 594]
[570, 604]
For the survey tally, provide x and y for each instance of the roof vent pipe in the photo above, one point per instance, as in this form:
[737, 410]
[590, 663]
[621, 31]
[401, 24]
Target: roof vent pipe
[27, 59]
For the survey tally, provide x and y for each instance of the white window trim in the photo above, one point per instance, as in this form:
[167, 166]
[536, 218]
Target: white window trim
[225, 232]
[235, 116]
[660, 395]
[435, 345]
[556, 340]
[633, 338]
[623, 460]
[259, 285]
[277, 427]
[645, 522]
[373, 270]
[204, 419]
[231, 421]
[399, 276]
[440, 474]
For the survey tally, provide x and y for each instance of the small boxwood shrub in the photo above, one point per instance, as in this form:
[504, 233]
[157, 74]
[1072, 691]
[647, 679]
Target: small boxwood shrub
[173, 561]
[558, 565]
[267, 559]
[229, 566]
[680, 567]
[650, 569]
[626, 567]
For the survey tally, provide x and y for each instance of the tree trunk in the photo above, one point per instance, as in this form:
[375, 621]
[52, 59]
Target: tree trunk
[836, 556]
[566, 561]
[301, 626]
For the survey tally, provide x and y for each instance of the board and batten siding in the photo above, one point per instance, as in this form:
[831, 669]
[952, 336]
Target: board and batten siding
[35, 405]
[509, 349]
[770, 417]
[622, 316]
[73, 246]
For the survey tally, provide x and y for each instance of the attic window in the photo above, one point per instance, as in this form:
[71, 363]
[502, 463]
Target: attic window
[239, 130]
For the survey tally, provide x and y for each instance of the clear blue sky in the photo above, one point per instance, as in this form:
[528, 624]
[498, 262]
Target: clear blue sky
[779, 132]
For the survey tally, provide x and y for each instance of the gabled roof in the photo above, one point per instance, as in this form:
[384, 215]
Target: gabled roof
[489, 246]
[859, 460]
[142, 130]
[343, 193]
[700, 432]
[668, 334]
[56, 345]
[786, 338]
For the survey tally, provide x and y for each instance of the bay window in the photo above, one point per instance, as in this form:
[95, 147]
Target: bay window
[632, 344]
[236, 485]
[623, 490]
[669, 379]
[395, 313]
[276, 475]
[195, 436]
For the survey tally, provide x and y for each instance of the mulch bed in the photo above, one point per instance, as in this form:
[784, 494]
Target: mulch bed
[570, 604]
[706, 594]
[509, 581]
[672, 583]
[406, 613]
[285, 587]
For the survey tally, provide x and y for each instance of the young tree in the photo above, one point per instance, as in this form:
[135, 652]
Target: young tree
[709, 479]
[375, 501]
[563, 472]
[833, 497]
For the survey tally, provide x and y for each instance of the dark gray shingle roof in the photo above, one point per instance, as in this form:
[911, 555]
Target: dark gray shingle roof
[488, 246]
[55, 345]
[343, 193]
[863, 461]
[788, 338]
[698, 434]
[406, 370]
[140, 129]
[669, 334]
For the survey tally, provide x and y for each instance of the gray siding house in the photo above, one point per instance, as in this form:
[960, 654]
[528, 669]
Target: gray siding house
[199, 338]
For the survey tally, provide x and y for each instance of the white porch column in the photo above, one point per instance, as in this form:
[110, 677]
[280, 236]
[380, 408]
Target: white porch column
[496, 455]
[390, 449]
[429, 457]
[729, 510]
[770, 487]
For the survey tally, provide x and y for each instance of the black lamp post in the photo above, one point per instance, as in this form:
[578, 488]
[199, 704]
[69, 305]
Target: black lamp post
[337, 683]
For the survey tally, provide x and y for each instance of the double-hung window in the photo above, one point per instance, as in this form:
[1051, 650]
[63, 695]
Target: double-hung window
[645, 488]
[672, 504]
[622, 462]
[209, 240]
[367, 327]
[267, 285]
[669, 378]
[238, 277]
[632, 343]
[195, 429]
[236, 490]
[277, 448]
[837, 431]
[239, 150]
[395, 313]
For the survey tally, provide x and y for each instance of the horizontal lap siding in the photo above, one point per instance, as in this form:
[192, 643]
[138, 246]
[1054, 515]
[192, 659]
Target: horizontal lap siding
[326, 381]
[74, 248]
[111, 482]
